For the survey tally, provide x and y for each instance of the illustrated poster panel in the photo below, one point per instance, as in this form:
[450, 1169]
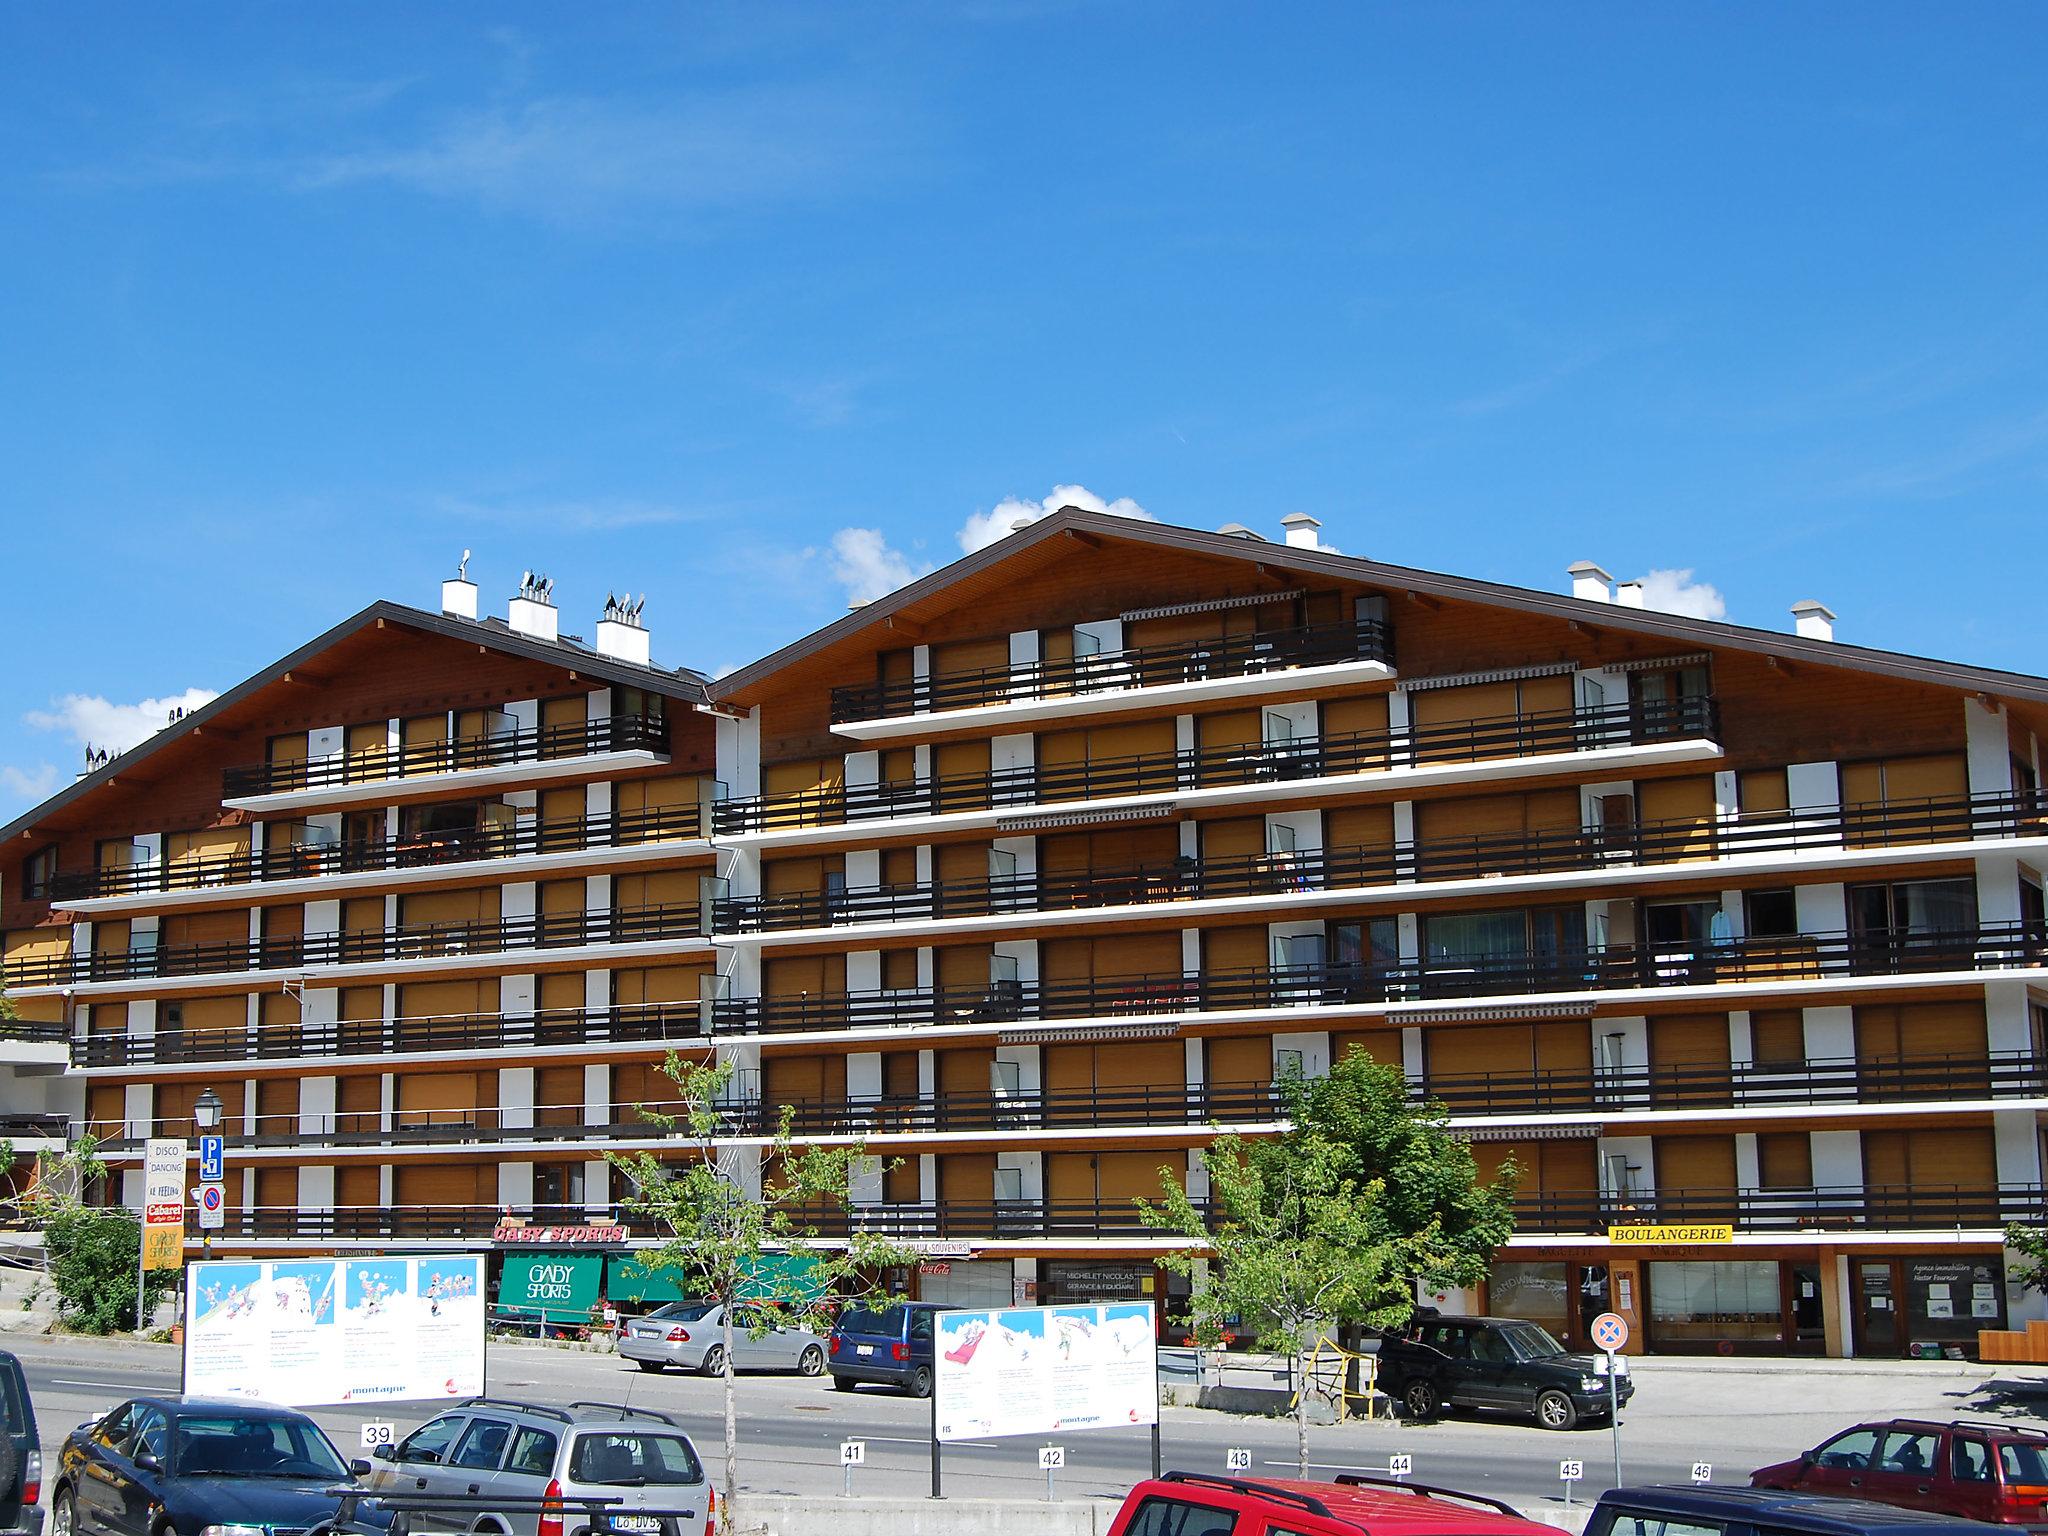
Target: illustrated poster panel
[1033, 1370]
[316, 1331]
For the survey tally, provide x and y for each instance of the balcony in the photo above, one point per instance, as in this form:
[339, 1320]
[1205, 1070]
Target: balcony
[1881, 1208]
[424, 850]
[1790, 836]
[562, 930]
[1256, 764]
[675, 1024]
[996, 1220]
[315, 780]
[1612, 968]
[1085, 684]
[410, 1223]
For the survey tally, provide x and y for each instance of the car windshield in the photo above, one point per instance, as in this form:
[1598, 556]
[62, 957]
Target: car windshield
[2023, 1461]
[675, 1311]
[633, 1458]
[236, 1446]
[1529, 1342]
[888, 1321]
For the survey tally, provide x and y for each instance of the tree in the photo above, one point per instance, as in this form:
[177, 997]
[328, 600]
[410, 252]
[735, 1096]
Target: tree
[1363, 1196]
[90, 1251]
[734, 1246]
[2031, 1243]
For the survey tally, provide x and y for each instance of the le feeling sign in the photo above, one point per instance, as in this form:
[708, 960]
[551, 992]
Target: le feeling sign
[560, 1287]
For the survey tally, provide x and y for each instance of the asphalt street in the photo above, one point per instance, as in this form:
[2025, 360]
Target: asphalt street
[1732, 1415]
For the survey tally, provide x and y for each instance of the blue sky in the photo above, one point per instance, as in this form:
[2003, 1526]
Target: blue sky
[742, 305]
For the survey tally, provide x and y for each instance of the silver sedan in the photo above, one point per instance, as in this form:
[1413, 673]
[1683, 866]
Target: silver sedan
[691, 1336]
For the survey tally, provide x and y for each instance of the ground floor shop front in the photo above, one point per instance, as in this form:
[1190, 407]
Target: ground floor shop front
[1896, 1301]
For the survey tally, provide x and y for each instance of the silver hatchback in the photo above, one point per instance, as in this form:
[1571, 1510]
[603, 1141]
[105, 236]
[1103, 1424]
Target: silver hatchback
[690, 1335]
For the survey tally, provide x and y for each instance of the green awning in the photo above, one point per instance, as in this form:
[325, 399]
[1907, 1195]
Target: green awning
[781, 1274]
[627, 1280]
[562, 1287]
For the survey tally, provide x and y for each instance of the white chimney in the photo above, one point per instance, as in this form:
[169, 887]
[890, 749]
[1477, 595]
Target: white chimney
[1629, 594]
[622, 640]
[532, 611]
[1301, 531]
[1812, 620]
[459, 598]
[1589, 583]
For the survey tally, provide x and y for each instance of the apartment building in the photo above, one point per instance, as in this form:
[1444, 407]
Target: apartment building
[1038, 870]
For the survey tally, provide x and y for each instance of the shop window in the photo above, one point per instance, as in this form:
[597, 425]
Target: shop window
[1706, 1304]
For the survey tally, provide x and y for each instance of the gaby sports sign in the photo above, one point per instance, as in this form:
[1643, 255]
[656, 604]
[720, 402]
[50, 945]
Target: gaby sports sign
[562, 1287]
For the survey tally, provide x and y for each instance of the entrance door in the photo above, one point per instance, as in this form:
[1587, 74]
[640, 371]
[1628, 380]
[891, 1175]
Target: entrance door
[1592, 1291]
[1877, 1308]
[1803, 1306]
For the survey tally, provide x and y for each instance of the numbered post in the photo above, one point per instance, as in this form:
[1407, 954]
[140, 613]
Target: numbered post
[1237, 1459]
[1703, 1472]
[1569, 1472]
[376, 1434]
[852, 1453]
[1050, 1459]
[1400, 1465]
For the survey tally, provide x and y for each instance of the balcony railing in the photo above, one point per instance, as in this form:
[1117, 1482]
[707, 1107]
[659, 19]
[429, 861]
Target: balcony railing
[1890, 1208]
[402, 1221]
[302, 861]
[646, 1023]
[40, 1031]
[1270, 874]
[1460, 741]
[1615, 967]
[1280, 650]
[616, 733]
[554, 930]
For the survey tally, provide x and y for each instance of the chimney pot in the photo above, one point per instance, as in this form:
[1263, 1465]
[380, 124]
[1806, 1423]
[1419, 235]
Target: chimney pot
[1301, 531]
[1589, 583]
[1239, 531]
[1813, 620]
[459, 598]
[1019, 524]
[1629, 594]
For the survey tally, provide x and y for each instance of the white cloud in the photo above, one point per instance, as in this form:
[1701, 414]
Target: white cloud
[90, 720]
[984, 528]
[862, 560]
[1677, 592]
[28, 785]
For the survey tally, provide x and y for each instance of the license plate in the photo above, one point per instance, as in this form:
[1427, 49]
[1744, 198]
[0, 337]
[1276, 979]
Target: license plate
[864, 1349]
[635, 1523]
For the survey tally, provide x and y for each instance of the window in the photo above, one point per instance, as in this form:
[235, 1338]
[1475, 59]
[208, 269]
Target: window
[483, 1443]
[1971, 1460]
[152, 1435]
[1624, 1522]
[1482, 936]
[114, 1429]
[1849, 1453]
[920, 1324]
[533, 1451]
[1178, 1517]
[254, 1445]
[37, 871]
[430, 1441]
[2022, 1462]
[1912, 907]
[1907, 1452]
[1770, 914]
[638, 703]
[629, 1457]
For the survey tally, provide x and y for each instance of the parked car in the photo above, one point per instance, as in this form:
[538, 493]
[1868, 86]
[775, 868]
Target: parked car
[1992, 1472]
[517, 1469]
[1196, 1504]
[175, 1466]
[21, 1453]
[1496, 1363]
[1708, 1508]
[890, 1345]
[690, 1335]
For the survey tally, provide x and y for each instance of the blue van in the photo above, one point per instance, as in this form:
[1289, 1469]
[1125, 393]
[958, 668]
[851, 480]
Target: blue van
[891, 1346]
[1705, 1509]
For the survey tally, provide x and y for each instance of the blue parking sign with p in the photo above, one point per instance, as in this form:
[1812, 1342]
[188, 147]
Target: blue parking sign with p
[212, 1154]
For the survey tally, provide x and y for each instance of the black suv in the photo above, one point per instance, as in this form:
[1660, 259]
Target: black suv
[1497, 1363]
[21, 1456]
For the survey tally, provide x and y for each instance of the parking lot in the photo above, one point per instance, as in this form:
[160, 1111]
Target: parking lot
[1734, 1415]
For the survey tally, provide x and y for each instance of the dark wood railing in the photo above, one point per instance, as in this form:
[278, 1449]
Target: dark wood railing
[617, 733]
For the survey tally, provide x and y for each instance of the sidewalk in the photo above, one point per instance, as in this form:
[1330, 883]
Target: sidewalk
[1918, 1370]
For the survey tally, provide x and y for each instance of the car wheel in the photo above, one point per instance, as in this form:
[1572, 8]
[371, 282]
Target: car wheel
[920, 1384]
[64, 1514]
[843, 1383]
[1555, 1411]
[714, 1361]
[1421, 1398]
[811, 1362]
[648, 1365]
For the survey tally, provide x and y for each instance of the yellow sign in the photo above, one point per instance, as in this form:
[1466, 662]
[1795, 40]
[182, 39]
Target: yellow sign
[163, 1246]
[1623, 1237]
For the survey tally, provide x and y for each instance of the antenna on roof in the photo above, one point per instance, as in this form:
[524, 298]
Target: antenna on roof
[462, 568]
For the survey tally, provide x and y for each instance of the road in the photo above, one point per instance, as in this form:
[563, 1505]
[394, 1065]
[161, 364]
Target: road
[1734, 1415]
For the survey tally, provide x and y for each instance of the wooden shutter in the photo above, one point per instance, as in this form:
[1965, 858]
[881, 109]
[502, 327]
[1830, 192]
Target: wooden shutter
[1382, 1045]
[899, 969]
[1235, 1061]
[1237, 837]
[902, 1181]
[452, 1184]
[431, 999]
[806, 775]
[1124, 1177]
[1964, 1158]
[1358, 714]
[1784, 1160]
[1235, 949]
[360, 1093]
[1358, 826]
[1943, 777]
[558, 1095]
[1481, 817]
[1237, 728]
[1061, 960]
[1136, 738]
[804, 976]
[1689, 1040]
[1777, 1037]
[366, 746]
[1140, 1064]
[962, 966]
[207, 845]
[360, 1005]
[899, 1074]
[1064, 853]
[1544, 695]
[801, 876]
[662, 984]
[1682, 812]
[968, 1071]
[1763, 790]
[476, 905]
[961, 759]
[230, 927]
[1138, 954]
[952, 657]
[960, 864]
[1069, 1178]
[1069, 1069]
[356, 1187]
[1702, 1164]
[1943, 1029]
[562, 991]
[1570, 1167]
[422, 733]
[804, 1080]
[420, 1092]
[1479, 1050]
[1470, 701]
[573, 710]
[277, 1189]
[967, 1178]
[1885, 1163]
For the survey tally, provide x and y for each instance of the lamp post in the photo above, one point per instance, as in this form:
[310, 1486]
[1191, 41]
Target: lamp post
[206, 1116]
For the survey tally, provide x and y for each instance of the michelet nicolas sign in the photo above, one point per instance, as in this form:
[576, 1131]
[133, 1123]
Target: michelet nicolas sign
[310, 1331]
[1034, 1370]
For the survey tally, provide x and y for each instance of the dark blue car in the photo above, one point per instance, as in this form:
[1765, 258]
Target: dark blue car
[890, 1346]
[1704, 1509]
[177, 1466]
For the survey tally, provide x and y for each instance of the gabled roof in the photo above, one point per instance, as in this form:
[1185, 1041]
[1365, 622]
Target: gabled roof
[492, 633]
[1071, 522]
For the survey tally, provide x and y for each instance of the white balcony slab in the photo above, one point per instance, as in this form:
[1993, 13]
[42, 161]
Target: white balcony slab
[426, 786]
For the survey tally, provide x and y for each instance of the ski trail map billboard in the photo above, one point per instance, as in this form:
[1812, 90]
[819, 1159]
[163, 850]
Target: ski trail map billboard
[315, 1331]
[1032, 1370]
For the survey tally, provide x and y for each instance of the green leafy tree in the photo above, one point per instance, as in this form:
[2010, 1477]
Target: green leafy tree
[1336, 1219]
[90, 1251]
[732, 1245]
[2031, 1243]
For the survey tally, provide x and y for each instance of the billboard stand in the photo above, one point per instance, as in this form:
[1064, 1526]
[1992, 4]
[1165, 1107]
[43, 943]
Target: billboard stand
[937, 1454]
[1158, 1413]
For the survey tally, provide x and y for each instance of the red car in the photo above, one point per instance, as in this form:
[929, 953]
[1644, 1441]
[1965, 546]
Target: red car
[1994, 1472]
[1195, 1504]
